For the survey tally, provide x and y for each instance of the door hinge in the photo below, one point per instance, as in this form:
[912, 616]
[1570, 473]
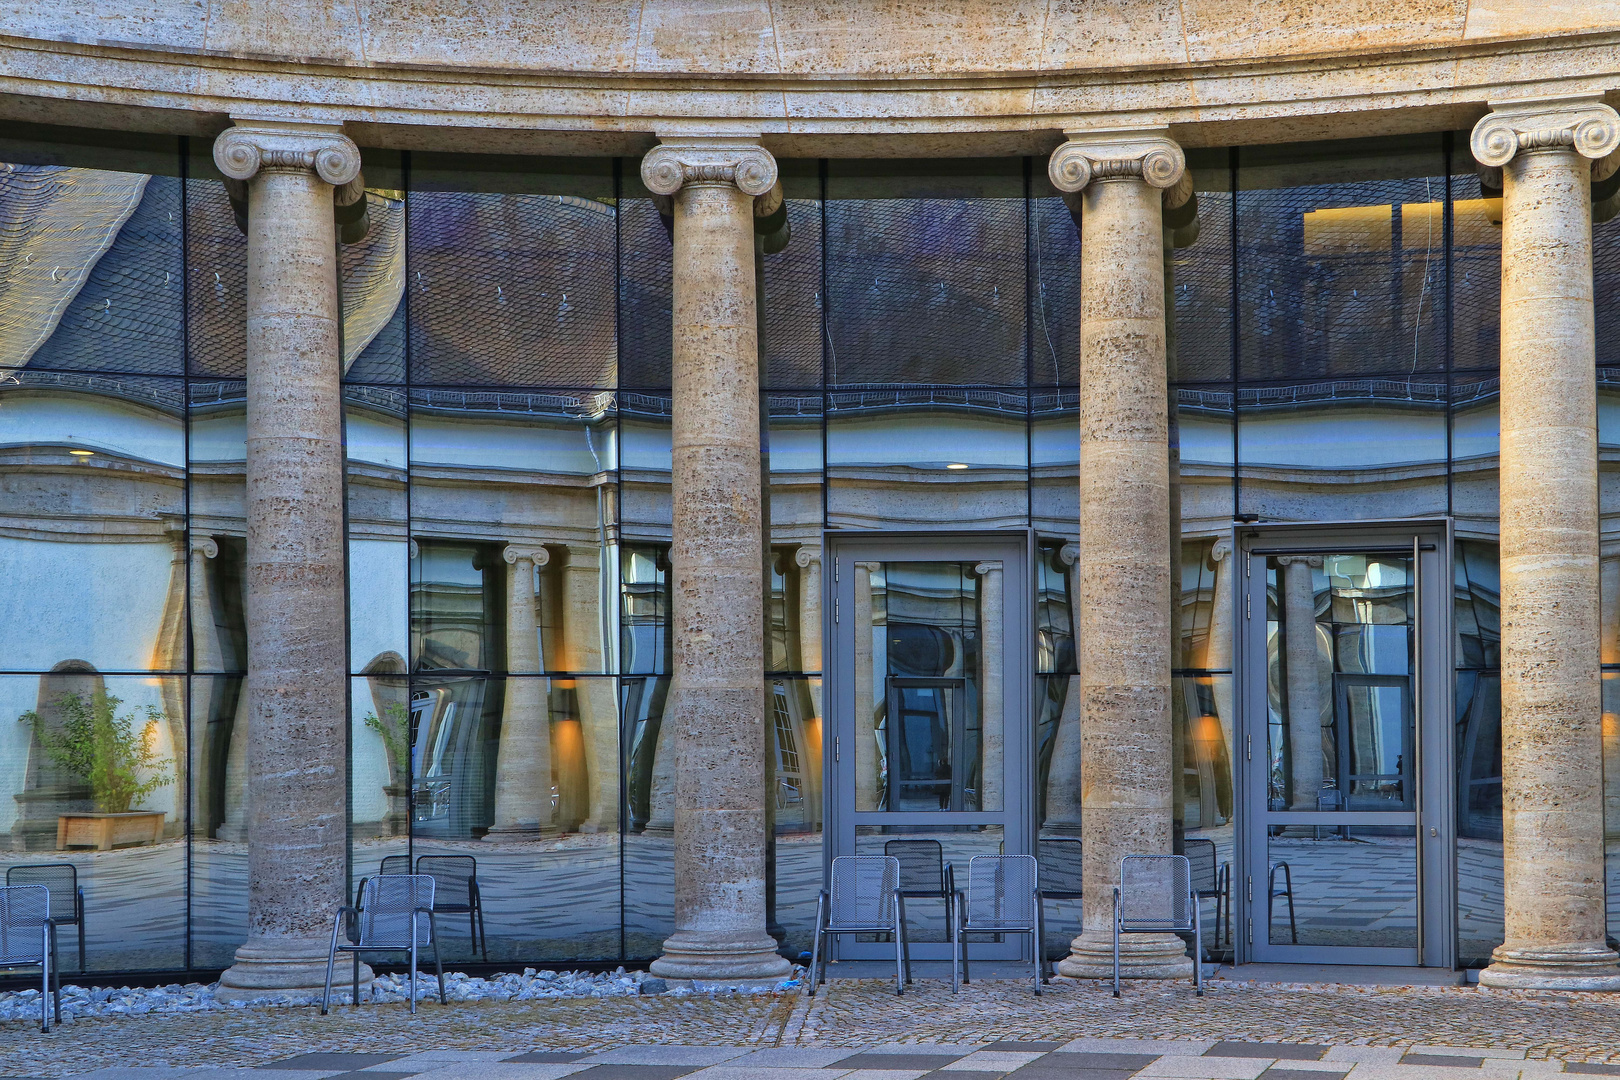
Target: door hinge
[1248, 888]
[1248, 606]
[835, 749]
[835, 609]
[1251, 930]
[1248, 748]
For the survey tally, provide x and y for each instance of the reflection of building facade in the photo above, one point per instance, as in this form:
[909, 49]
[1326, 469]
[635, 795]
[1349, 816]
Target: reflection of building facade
[582, 498]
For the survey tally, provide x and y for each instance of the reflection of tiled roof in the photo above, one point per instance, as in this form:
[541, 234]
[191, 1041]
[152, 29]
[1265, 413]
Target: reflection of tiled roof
[645, 296]
[157, 393]
[373, 276]
[216, 280]
[1054, 310]
[793, 302]
[511, 289]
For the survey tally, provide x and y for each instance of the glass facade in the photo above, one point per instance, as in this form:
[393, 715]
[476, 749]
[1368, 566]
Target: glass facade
[506, 350]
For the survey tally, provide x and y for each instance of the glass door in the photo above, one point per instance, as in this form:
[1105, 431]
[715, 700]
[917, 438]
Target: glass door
[1347, 846]
[930, 737]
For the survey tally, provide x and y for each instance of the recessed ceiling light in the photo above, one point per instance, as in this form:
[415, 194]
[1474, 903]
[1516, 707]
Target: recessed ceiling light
[956, 465]
[82, 453]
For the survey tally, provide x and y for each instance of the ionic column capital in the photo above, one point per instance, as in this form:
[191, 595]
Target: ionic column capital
[537, 555]
[204, 546]
[1069, 554]
[988, 567]
[1221, 549]
[1584, 125]
[675, 164]
[1150, 156]
[1313, 561]
[807, 554]
[251, 147]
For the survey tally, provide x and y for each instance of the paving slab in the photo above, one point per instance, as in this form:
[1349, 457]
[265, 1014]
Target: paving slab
[1208, 1067]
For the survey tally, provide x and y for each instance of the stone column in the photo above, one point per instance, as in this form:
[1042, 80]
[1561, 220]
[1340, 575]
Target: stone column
[1063, 788]
[297, 688]
[597, 699]
[1552, 777]
[523, 758]
[1125, 617]
[1218, 655]
[1301, 662]
[717, 708]
[808, 559]
[869, 692]
[992, 664]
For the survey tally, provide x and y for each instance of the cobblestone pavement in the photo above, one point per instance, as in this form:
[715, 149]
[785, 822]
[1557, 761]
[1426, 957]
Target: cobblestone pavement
[857, 1029]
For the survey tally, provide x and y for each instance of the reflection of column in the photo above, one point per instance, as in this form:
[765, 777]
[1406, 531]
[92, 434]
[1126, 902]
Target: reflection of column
[868, 760]
[207, 656]
[808, 559]
[598, 709]
[1302, 662]
[992, 665]
[717, 707]
[1125, 531]
[169, 654]
[297, 686]
[1218, 657]
[1609, 607]
[1552, 827]
[523, 757]
[1063, 774]
[661, 790]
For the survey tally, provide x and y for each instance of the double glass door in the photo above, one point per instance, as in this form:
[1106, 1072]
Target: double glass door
[928, 701]
[1344, 664]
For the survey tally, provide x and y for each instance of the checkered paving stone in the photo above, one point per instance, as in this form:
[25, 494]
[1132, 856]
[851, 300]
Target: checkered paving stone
[858, 1030]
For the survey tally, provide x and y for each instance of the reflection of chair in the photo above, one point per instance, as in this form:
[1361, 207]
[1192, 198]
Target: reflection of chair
[456, 879]
[924, 874]
[1272, 892]
[1155, 896]
[67, 899]
[1327, 800]
[389, 920]
[864, 898]
[391, 864]
[1003, 897]
[1061, 877]
[1211, 880]
[27, 938]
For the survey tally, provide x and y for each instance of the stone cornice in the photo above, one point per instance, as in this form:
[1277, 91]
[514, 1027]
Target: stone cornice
[243, 151]
[1584, 125]
[1150, 156]
[1421, 87]
[678, 163]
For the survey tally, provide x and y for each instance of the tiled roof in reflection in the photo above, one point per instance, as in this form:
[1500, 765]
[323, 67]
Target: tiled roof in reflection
[894, 398]
[512, 289]
[216, 280]
[590, 404]
[1425, 391]
[166, 395]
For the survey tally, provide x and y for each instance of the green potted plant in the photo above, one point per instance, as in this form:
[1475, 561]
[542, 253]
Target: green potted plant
[119, 762]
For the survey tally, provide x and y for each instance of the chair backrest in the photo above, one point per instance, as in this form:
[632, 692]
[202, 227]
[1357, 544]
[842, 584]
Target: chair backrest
[23, 911]
[862, 892]
[60, 878]
[395, 864]
[1155, 891]
[1060, 863]
[454, 874]
[388, 906]
[1205, 864]
[1001, 889]
[922, 864]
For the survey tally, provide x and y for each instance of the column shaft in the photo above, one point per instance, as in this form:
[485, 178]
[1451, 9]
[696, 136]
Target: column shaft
[523, 757]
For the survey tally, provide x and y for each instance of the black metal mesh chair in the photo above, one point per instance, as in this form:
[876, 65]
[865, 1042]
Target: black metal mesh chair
[457, 892]
[67, 899]
[28, 939]
[1003, 897]
[864, 898]
[389, 919]
[924, 875]
[1272, 892]
[1155, 896]
[1211, 881]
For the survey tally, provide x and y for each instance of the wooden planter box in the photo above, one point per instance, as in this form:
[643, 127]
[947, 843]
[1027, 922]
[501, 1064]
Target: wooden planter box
[106, 831]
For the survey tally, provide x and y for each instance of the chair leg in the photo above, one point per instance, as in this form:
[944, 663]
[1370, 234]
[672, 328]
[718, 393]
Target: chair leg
[815, 947]
[1035, 946]
[899, 955]
[413, 969]
[1198, 950]
[354, 1002]
[45, 977]
[80, 921]
[483, 933]
[956, 948]
[326, 995]
[438, 965]
[1116, 943]
[905, 940]
[56, 977]
[1293, 927]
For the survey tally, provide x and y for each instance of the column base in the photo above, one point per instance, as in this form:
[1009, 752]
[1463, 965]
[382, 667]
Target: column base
[1141, 956]
[286, 967]
[739, 958]
[1572, 967]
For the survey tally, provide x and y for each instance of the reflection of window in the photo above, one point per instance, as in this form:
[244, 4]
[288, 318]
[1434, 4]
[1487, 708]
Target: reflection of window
[644, 624]
[456, 614]
[789, 775]
[1054, 619]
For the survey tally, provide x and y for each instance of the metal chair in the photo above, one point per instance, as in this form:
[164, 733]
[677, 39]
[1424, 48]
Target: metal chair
[1061, 869]
[389, 920]
[457, 892]
[27, 938]
[391, 864]
[1272, 892]
[1003, 897]
[1155, 896]
[67, 899]
[924, 875]
[864, 898]
[1211, 881]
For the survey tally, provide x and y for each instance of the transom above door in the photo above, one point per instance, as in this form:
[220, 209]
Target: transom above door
[1345, 847]
[928, 696]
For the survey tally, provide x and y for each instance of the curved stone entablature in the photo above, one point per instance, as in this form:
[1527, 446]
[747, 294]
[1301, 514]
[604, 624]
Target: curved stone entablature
[815, 81]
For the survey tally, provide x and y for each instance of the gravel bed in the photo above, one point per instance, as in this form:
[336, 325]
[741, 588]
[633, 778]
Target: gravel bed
[531, 985]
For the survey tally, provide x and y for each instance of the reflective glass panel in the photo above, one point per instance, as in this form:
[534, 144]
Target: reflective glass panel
[374, 419]
[922, 849]
[371, 283]
[1353, 885]
[1480, 926]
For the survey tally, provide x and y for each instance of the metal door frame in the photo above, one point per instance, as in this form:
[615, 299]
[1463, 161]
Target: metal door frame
[1433, 697]
[1013, 548]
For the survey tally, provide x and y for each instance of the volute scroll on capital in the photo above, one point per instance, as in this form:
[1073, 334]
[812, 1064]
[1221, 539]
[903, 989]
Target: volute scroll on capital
[668, 168]
[244, 151]
[1156, 160]
[1585, 125]
[537, 555]
[806, 555]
